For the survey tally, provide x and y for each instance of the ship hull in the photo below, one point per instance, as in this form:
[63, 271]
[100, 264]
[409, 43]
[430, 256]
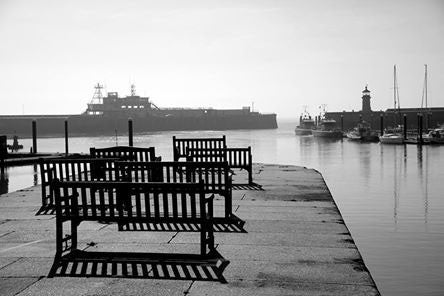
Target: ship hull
[88, 125]
[302, 131]
[327, 134]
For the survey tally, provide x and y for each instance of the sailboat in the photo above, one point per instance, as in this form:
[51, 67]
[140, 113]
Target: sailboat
[435, 136]
[393, 135]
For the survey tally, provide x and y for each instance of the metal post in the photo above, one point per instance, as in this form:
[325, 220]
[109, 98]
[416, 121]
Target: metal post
[417, 125]
[66, 137]
[130, 132]
[405, 126]
[34, 136]
[420, 129]
[3, 154]
[381, 124]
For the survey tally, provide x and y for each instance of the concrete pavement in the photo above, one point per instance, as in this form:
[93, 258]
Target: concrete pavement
[294, 242]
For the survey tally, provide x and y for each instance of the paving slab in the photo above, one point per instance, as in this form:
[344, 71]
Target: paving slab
[13, 286]
[105, 286]
[275, 288]
[294, 242]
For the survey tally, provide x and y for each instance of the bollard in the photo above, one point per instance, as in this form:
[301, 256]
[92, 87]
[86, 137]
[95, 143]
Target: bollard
[130, 132]
[34, 137]
[66, 137]
[381, 124]
[342, 122]
[405, 126]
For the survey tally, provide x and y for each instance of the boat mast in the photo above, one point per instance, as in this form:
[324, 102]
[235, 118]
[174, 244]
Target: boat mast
[424, 98]
[396, 95]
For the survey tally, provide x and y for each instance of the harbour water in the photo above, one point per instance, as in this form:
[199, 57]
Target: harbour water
[390, 196]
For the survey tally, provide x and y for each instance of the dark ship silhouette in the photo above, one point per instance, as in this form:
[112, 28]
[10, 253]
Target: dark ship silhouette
[109, 115]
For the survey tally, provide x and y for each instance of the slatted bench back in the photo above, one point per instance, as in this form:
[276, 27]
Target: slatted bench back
[125, 153]
[77, 169]
[215, 175]
[180, 145]
[237, 158]
[131, 202]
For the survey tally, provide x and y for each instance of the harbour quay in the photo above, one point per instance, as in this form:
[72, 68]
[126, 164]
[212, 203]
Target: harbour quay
[294, 242]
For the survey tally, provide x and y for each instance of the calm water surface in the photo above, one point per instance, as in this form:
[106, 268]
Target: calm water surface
[391, 197]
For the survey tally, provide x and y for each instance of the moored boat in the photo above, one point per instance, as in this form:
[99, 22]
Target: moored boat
[363, 132]
[435, 136]
[327, 129]
[392, 138]
[306, 125]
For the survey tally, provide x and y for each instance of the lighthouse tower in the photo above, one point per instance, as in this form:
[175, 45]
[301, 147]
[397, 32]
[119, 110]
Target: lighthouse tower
[366, 101]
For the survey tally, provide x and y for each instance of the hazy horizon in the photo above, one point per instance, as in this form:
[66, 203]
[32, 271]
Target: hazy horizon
[281, 55]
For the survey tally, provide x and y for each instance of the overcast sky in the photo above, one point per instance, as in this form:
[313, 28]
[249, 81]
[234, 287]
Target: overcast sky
[280, 55]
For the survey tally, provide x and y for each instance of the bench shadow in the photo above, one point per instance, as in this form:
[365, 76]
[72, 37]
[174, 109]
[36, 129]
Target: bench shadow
[141, 265]
[247, 186]
[46, 210]
[233, 224]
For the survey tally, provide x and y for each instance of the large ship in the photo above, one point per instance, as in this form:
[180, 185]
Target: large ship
[106, 115]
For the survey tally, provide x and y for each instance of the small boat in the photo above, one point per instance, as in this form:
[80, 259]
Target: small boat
[327, 129]
[363, 132]
[306, 125]
[435, 136]
[391, 138]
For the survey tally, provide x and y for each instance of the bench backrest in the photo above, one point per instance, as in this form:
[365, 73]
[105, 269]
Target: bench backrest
[77, 169]
[180, 145]
[237, 158]
[216, 176]
[125, 153]
[129, 201]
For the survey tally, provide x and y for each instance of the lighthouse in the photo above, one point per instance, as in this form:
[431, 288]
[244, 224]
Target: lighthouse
[366, 101]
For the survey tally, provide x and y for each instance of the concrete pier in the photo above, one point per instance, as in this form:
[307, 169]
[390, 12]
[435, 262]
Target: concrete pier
[294, 242]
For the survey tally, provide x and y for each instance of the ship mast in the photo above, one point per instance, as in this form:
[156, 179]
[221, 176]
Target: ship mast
[97, 97]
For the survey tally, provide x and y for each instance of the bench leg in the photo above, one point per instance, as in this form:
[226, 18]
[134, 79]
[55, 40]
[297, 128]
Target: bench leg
[228, 206]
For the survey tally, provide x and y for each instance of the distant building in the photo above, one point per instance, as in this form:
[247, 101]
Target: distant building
[431, 116]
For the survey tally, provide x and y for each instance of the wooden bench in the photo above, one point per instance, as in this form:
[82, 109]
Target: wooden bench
[128, 202]
[216, 176]
[237, 158]
[180, 145]
[126, 153]
[77, 169]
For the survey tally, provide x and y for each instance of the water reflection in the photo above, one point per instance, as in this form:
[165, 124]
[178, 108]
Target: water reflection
[423, 170]
[395, 190]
